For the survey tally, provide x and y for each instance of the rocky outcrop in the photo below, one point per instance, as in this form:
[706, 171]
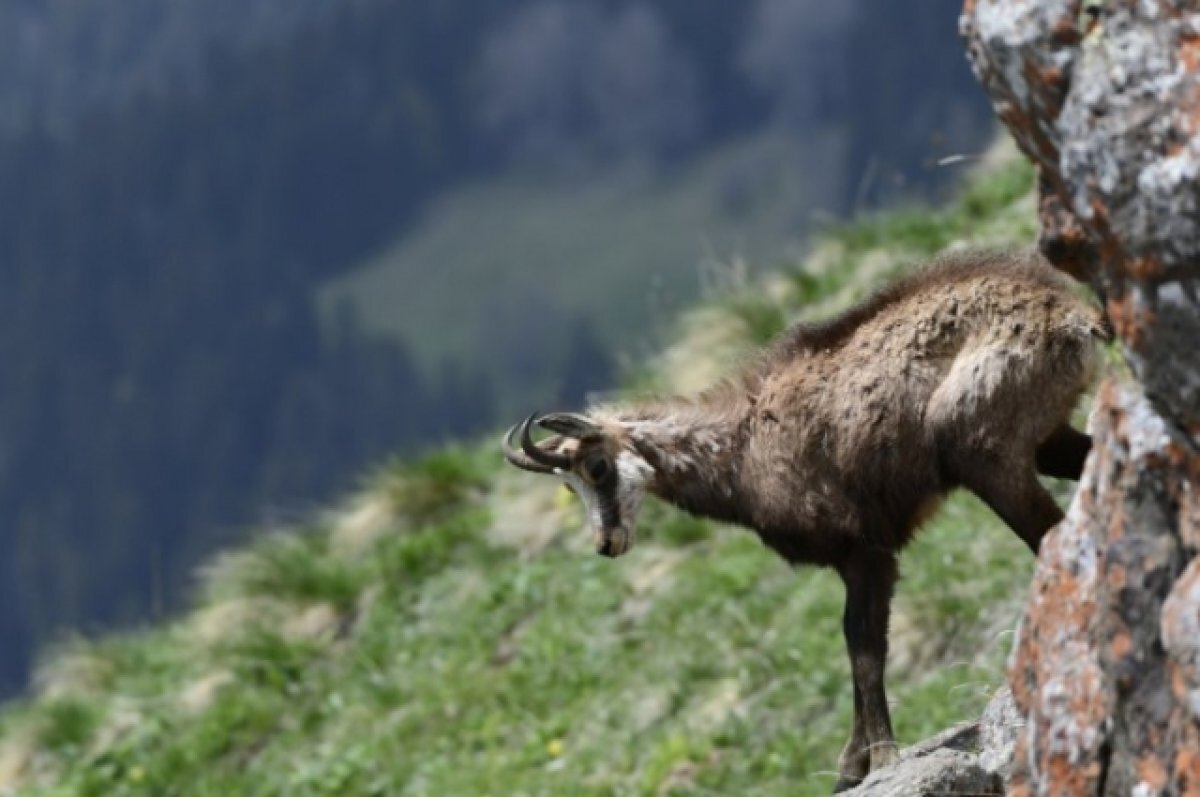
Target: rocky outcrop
[968, 759]
[1090, 670]
[1104, 96]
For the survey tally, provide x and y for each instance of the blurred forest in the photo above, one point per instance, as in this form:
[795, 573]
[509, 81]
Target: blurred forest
[178, 179]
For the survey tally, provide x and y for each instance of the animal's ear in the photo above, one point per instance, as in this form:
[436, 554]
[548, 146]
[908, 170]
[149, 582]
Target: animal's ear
[570, 424]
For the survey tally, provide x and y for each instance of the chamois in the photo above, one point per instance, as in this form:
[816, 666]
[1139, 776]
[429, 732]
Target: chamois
[840, 439]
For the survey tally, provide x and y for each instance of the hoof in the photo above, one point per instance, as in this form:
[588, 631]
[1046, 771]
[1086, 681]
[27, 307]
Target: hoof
[845, 783]
[884, 755]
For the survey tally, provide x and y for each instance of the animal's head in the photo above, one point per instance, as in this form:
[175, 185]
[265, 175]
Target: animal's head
[598, 462]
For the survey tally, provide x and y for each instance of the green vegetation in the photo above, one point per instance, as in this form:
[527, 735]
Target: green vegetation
[189, 188]
[448, 632]
[988, 211]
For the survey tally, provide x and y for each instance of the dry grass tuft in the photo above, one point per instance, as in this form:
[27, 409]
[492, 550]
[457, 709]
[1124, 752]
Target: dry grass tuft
[532, 514]
[196, 697]
[228, 619]
[317, 623]
[77, 672]
[18, 751]
[368, 519]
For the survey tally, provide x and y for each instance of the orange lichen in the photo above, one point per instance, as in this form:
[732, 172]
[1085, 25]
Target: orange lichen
[1128, 320]
[1121, 645]
[1187, 771]
[1144, 269]
[1088, 656]
[1179, 684]
[1065, 30]
[1050, 74]
[1189, 52]
[1117, 577]
[1152, 771]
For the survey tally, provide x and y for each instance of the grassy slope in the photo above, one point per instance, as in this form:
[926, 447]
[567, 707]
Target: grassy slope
[446, 632]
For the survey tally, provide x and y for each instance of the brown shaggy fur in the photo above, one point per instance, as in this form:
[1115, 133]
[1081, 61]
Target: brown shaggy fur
[838, 441]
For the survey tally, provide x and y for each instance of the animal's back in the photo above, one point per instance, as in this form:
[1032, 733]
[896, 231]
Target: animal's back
[973, 286]
[987, 352]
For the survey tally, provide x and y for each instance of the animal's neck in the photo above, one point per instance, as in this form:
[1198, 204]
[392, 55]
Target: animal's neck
[696, 452]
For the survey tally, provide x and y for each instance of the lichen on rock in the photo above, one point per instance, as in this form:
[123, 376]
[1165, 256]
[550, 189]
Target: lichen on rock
[1105, 98]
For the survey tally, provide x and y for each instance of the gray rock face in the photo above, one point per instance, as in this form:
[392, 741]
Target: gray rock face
[969, 759]
[998, 730]
[939, 773]
[1104, 96]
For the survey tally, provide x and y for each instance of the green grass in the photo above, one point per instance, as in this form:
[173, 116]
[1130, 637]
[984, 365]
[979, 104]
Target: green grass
[430, 488]
[293, 566]
[562, 674]
[984, 204]
[416, 642]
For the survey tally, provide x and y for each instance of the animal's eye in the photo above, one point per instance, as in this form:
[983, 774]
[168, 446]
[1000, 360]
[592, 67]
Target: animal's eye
[596, 469]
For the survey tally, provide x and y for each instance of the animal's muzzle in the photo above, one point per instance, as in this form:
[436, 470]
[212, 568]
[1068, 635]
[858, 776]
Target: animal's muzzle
[613, 543]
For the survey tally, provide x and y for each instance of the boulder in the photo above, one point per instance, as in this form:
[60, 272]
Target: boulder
[972, 758]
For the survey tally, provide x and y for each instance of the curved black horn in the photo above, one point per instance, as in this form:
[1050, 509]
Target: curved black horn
[517, 457]
[570, 424]
[530, 457]
[537, 454]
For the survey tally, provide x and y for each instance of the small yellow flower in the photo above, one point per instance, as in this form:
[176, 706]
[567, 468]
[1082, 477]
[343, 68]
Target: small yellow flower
[563, 498]
[554, 747]
[136, 774]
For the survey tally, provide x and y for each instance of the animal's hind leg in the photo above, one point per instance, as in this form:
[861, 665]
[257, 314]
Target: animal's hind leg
[1014, 493]
[1063, 453]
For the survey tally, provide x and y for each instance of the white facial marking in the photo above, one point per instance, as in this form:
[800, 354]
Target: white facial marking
[587, 494]
[633, 473]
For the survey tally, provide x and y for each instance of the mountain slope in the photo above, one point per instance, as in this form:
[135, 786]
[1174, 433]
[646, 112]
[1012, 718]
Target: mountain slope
[179, 178]
[447, 631]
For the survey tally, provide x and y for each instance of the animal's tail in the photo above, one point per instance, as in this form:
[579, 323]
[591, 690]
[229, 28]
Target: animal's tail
[1084, 325]
[1089, 321]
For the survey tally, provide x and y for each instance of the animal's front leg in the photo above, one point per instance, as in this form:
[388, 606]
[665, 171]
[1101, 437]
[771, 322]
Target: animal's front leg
[855, 761]
[870, 577]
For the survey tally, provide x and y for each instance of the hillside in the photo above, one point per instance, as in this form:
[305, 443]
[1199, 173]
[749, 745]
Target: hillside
[447, 631]
[181, 181]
